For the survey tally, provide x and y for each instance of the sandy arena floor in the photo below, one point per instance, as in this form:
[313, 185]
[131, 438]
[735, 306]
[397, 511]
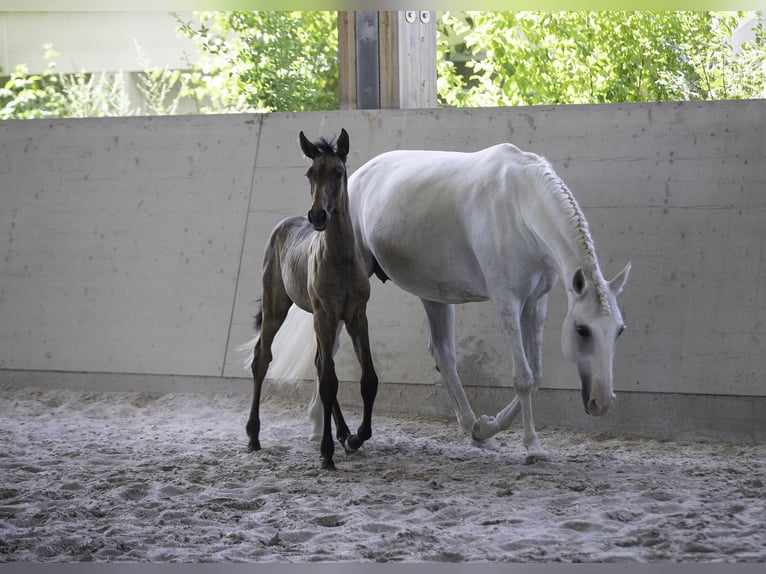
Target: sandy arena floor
[134, 477]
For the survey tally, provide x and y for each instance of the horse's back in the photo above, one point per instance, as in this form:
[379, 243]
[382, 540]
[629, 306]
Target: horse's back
[430, 217]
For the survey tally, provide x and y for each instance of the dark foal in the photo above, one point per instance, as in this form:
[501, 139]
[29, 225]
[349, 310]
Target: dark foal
[313, 262]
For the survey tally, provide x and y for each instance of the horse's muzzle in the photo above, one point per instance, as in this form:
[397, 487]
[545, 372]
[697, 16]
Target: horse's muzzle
[598, 408]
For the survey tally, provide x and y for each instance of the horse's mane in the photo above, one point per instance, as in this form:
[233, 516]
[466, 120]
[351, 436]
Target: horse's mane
[579, 227]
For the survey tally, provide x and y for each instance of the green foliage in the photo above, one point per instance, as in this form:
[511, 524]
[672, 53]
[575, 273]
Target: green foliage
[95, 95]
[83, 95]
[160, 88]
[264, 61]
[54, 95]
[33, 96]
[522, 58]
[287, 61]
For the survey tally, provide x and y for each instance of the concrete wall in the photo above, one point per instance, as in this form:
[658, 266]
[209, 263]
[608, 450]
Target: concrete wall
[133, 247]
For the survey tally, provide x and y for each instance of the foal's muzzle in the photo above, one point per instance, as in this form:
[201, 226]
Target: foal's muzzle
[319, 219]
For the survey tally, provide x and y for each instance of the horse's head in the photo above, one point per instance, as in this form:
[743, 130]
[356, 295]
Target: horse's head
[327, 176]
[589, 333]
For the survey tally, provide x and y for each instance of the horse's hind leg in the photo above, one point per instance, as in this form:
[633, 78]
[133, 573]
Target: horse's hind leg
[273, 315]
[441, 325]
[357, 328]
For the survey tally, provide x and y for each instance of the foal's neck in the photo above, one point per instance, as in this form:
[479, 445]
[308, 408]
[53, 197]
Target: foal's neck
[339, 235]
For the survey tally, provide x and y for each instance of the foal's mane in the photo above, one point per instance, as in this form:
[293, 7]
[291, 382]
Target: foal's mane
[326, 147]
[579, 228]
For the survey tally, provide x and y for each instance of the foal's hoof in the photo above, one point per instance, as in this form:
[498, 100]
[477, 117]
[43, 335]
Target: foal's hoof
[352, 444]
[254, 445]
[328, 464]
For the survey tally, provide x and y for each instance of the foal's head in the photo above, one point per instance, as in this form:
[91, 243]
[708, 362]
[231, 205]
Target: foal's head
[327, 176]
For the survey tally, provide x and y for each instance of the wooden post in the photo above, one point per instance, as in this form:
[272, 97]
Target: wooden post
[346, 60]
[367, 60]
[388, 45]
[387, 60]
[417, 59]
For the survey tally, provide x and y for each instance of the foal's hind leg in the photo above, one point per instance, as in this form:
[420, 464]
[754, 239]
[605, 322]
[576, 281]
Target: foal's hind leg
[273, 315]
[357, 328]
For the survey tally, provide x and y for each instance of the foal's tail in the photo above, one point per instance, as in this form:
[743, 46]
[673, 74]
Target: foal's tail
[293, 349]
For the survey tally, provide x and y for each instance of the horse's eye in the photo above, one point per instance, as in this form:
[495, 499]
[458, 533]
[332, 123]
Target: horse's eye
[583, 331]
[620, 330]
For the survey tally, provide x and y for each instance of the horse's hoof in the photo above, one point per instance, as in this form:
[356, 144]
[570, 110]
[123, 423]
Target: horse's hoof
[254, 446]
[483, 428]
[315, 437]
[536, 455]
[488, 444]
[328, 464]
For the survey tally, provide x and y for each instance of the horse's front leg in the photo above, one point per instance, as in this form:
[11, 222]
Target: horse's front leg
[357, 328]
[523, 377]
[532, 325]
[328, 383]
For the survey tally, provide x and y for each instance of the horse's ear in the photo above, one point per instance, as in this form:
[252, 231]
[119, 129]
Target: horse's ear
[616, 284]
[579, 283]
[308, 148]
[343, 145]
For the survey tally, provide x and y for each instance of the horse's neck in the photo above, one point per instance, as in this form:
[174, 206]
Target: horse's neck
[561, 229]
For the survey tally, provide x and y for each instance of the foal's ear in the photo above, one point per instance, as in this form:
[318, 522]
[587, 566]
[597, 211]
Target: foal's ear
[616, 284]
[308, 148]
[579, 283]
[343, 145]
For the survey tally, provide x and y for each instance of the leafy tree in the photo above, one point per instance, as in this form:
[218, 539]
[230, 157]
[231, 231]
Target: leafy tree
[256, 61]
[33, 96]
[520, 58]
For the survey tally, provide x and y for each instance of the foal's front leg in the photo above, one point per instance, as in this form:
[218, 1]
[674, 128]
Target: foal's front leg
[316, 409]
[328, 383]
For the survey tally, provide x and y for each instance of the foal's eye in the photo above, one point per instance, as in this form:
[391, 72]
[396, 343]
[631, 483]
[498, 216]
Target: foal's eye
[583, 331]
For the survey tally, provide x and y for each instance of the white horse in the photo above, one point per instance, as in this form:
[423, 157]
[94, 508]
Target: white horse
[499, 225]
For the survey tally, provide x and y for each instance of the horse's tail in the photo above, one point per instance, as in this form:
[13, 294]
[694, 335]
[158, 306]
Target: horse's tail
[293, 350]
